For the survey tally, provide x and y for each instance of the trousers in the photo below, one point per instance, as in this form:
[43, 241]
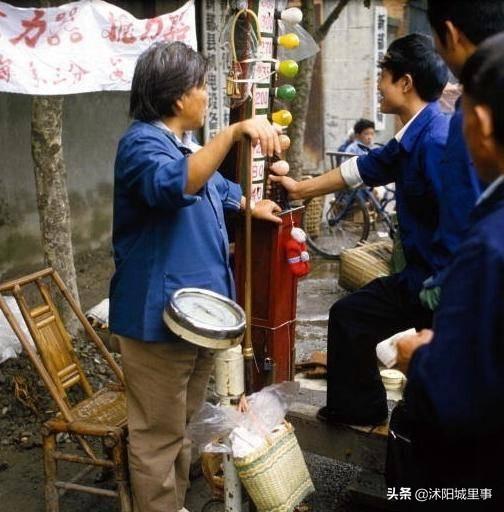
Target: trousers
[165, 384]
[357, 323]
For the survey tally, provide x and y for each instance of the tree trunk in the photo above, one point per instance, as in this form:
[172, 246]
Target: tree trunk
[52, 195]
[303, 82]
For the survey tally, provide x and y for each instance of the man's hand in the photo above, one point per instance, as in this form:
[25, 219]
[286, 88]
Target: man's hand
[290, 185]
[265, 210]
[407, 345]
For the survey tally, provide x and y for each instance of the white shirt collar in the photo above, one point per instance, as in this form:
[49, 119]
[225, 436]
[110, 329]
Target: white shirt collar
[187, 139]
[400, 134]
[490, 189]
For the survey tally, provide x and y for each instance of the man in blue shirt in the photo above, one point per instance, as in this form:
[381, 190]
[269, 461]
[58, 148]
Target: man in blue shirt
[413, 78]
[169, 233]
[458, 28]
[454, 397]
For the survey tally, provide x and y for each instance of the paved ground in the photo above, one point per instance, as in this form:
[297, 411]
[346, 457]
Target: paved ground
[21, 477]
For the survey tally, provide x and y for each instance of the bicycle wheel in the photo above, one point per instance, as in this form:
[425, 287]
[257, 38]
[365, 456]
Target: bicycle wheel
[344, 223]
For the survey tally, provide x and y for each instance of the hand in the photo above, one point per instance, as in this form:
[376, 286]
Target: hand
[259, 131]
[265, 210]
[292, 186]
[407, 345]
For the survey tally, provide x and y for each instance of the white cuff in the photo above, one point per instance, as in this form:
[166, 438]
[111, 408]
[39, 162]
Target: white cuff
[350, 173]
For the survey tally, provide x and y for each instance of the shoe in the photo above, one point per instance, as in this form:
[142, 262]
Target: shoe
[183, 510]
[332, 417]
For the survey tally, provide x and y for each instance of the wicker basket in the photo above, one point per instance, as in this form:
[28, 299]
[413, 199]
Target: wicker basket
[275, 475]
[361, 265]
[313, 216]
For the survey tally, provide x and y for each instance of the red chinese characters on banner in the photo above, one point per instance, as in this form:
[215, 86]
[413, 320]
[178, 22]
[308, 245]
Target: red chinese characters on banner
[5, 68]
[120, 30]
[117, 74]
[162, 28]
[63, 22]
[36, 26]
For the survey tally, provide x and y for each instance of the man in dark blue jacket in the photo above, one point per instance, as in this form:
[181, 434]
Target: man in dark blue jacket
[454, 399]
[458, 28]
[413, 77]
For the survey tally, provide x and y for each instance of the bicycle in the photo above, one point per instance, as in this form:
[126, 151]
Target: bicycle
[347, 217]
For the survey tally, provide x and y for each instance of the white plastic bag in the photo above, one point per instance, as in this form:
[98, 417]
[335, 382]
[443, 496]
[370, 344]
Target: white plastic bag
[9, 343]
[210, 427]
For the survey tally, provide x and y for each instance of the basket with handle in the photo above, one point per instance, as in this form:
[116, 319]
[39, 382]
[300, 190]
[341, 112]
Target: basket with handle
[275, 474]
[360, 265]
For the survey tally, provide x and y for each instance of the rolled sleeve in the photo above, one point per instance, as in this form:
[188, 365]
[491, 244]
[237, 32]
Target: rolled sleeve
[157, 175]
[350, 173]
[229, 192]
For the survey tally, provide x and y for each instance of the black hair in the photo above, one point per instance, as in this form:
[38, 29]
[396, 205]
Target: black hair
[163, 73]
[363, 124]
[483, 80]
[477, 19]
[415, 55]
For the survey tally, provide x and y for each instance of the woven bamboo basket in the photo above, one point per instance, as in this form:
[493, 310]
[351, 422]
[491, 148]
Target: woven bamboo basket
[361, 265]
[313, 216]
[275, 475]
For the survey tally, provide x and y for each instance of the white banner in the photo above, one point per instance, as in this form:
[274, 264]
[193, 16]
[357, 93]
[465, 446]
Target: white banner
[83, 46]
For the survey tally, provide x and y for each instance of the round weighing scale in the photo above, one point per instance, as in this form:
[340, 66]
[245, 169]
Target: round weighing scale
[205, 318]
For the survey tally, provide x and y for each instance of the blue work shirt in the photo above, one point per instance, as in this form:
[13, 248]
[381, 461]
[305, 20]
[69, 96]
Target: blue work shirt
[413, 164]
[455, 389]
[461, 189]
[163, 238]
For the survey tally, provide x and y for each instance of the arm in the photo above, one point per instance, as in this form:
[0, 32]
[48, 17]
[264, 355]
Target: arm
[460, 374]
[324, 184]
[203, 163]
[378, 167]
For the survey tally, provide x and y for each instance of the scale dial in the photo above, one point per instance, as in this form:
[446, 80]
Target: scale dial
[205, 318]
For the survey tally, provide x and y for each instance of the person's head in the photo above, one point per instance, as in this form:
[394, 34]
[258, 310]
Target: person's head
[411, 70]
[170, 81]
[364, 131]
[483, 104]
[459, 26]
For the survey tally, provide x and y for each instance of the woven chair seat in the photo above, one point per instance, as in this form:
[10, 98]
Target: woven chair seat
[106, 407]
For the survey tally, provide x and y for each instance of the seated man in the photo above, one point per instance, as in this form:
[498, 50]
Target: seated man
[454, 397]
[364, 131]
[413, 77]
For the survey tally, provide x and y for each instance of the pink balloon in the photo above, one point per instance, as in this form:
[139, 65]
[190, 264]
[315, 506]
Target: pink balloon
[284, 141]
[281, 167]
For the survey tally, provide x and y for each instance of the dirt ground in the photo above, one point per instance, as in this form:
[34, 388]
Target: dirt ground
[24, 402]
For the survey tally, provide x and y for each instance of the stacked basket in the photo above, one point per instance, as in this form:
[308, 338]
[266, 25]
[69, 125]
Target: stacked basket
[361, 265]
[275, 475]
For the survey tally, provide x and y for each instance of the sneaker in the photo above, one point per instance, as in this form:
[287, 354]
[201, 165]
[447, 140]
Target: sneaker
[332, 417]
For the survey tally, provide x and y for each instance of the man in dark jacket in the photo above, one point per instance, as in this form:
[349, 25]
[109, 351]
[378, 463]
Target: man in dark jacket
[455, 393]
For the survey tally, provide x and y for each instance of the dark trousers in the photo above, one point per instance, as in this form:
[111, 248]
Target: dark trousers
[357, 323]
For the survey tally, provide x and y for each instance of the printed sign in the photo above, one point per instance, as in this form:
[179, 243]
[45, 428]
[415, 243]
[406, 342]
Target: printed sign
[379, 52]
[257, 170]
[83, 46]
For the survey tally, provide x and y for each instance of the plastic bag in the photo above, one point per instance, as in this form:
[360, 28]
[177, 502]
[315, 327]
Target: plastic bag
[9, 343]
[307, 46]
[210, 427]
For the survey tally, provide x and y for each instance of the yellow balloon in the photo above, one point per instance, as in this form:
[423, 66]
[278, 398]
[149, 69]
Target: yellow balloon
[282, 117]
[288, 68]
[289, 41]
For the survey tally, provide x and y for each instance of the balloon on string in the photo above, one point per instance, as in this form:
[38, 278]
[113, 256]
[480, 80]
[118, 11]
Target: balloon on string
[287, 68]
[289, 41]
[282, 117]
[291, 16]
[280, 167]
[285, 92]
[307, 46]
[284, 141]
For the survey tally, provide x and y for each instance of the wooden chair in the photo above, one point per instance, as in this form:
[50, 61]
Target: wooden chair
[100, 415]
